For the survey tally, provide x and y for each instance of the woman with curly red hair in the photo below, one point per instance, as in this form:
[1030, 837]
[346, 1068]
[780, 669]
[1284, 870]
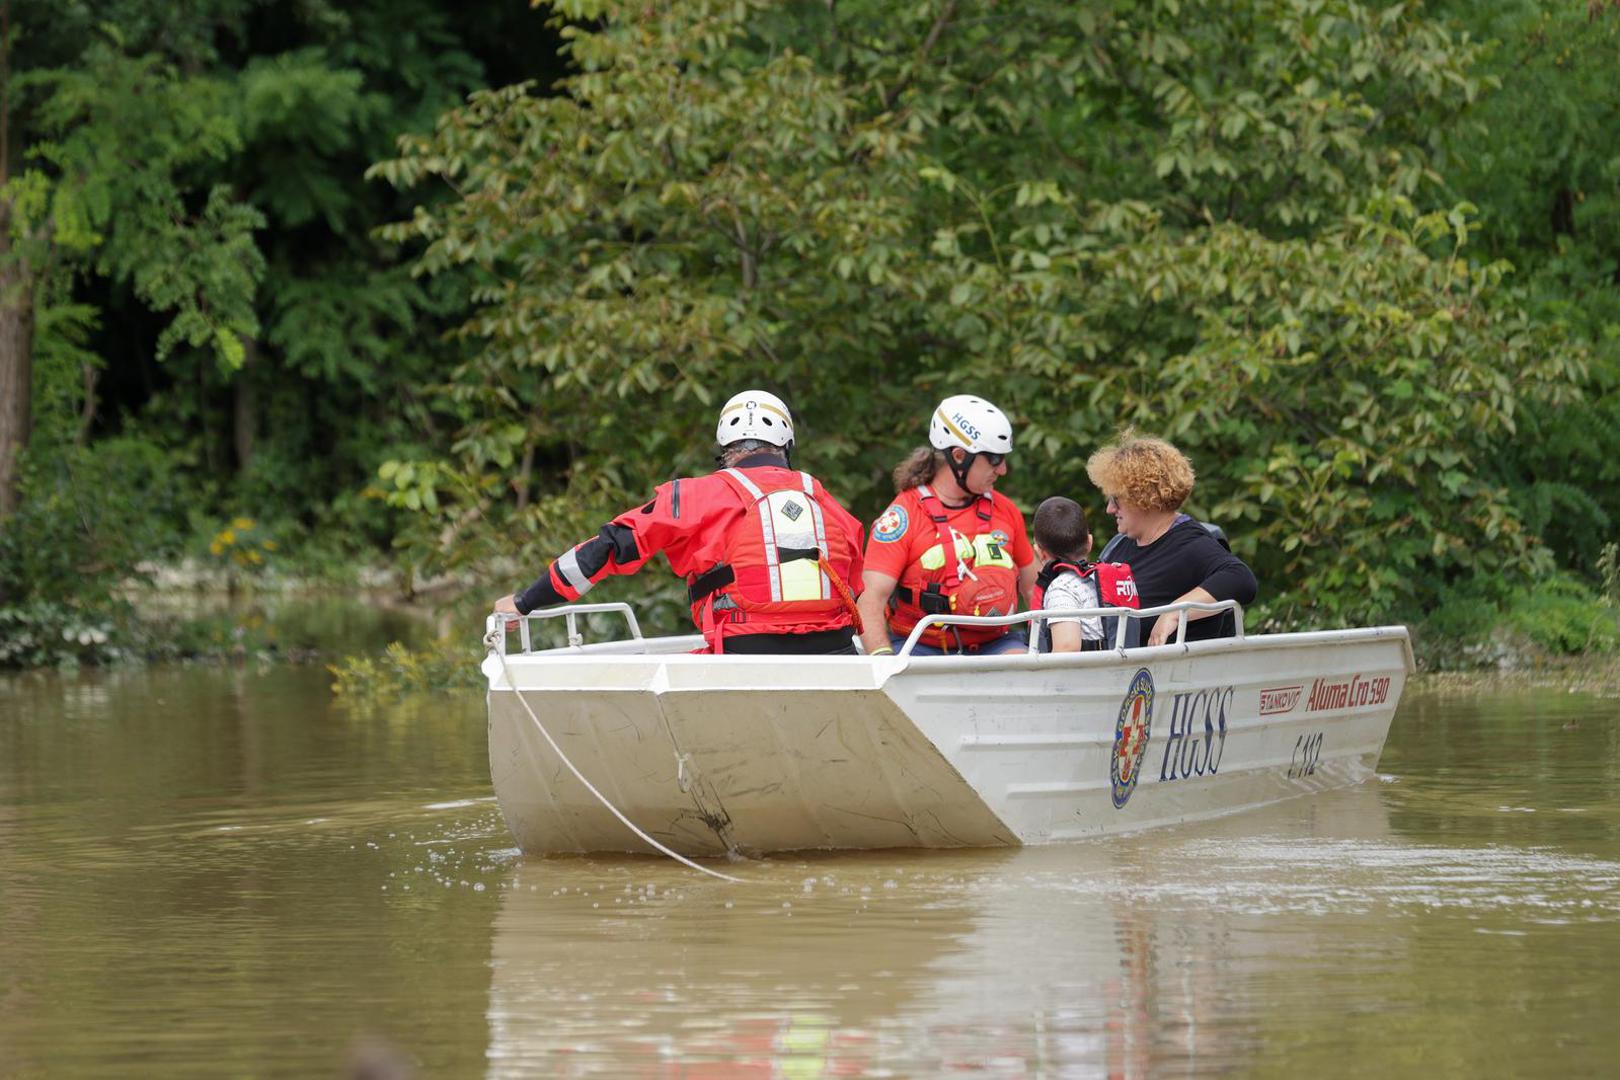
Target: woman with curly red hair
[1173, 558]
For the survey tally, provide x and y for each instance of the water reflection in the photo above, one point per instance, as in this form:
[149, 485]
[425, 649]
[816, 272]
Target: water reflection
[1316, 926]
[1106, 958]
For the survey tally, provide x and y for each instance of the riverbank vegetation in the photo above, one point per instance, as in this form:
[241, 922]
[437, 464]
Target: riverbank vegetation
[437, 289]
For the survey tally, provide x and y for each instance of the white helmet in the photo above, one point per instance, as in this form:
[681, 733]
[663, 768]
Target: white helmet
[971, 423]
[755, 414]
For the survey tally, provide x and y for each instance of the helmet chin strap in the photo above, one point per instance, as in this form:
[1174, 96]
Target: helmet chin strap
[961, 471]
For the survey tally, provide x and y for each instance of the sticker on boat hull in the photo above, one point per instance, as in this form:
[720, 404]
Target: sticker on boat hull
[1131, 736]
[1280, 699]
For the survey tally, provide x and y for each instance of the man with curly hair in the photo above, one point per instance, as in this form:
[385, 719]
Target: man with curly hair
[1173, 557]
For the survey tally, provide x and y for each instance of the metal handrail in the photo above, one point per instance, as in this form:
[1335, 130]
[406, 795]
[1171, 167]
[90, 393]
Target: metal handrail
[1065, 613]
[496, 623]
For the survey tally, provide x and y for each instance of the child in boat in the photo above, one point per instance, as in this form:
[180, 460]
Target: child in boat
[1062, 542]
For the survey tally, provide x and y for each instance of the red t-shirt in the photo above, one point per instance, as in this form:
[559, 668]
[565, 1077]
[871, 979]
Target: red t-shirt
[905, 545]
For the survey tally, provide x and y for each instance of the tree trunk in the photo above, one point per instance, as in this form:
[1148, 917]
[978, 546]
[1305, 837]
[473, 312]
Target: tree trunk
[16, 309]
[16, 376]
[1563, 212]
[87, 414]
[524, 476]
[247, 410]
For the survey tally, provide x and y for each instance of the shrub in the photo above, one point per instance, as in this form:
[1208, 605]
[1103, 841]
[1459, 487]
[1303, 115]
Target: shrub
[1489, 622]
[87, 517]
[444, 665]
[1609, 572]
[1563, 617]
[45, 634]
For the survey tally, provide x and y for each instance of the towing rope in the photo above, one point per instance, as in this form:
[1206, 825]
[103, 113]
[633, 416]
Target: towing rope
[492, 639]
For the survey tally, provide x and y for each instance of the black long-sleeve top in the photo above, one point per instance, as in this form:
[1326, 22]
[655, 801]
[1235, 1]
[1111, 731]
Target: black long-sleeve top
[1184, 558]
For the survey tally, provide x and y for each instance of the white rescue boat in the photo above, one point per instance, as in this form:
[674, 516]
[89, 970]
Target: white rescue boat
[716, 755]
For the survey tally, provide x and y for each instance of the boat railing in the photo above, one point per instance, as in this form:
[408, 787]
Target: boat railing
[1044, 615]
[497, 625]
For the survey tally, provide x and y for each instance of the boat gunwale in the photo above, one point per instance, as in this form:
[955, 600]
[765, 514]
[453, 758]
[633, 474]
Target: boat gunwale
[1146, 654]
[891, 665]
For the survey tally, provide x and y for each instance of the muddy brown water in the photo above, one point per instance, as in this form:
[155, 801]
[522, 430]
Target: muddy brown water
[209, 872]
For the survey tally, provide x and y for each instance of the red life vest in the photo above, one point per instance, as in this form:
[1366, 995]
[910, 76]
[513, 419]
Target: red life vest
[782, 566]
[1115, 588]
[955, 588]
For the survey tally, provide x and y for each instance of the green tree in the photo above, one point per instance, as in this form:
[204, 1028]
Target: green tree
[1537, 157]
[135, 144]
[1216, 221]
[96, 144]
[196, 320]
[341, 317]
[645, 236]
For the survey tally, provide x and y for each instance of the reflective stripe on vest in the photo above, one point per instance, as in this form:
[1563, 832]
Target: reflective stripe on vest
[772, 561]
[821, 532]
[805, 580]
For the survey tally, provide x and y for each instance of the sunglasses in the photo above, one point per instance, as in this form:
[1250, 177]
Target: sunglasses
[995, 460]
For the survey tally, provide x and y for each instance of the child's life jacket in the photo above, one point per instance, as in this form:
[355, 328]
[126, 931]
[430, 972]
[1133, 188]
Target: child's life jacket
[1116, 588]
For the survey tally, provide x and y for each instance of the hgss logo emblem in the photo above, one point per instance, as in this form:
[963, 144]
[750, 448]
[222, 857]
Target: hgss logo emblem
[1131, 736]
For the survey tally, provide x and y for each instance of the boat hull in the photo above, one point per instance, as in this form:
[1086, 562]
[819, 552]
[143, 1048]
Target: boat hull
[749, 754]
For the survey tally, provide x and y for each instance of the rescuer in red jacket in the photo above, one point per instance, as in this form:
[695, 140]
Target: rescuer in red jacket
[771, 560]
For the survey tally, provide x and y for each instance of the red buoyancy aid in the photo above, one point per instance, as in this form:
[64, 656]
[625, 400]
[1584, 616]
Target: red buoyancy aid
[956, 588]
[782, 568]
[1115, 588]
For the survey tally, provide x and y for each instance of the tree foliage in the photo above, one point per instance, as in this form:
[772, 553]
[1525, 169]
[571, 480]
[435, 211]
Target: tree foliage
[1358, 259]
[107, 184]
[1538, 158]
[1219, 222]
[186, 250]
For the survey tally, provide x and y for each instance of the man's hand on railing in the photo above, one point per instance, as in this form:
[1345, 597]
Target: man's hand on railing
[507, 605]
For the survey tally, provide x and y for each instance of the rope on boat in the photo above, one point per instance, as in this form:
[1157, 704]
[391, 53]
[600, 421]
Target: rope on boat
[494, 643]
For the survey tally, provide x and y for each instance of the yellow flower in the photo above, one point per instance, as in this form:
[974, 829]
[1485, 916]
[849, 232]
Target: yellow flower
[216, 547]
[269, 545]
[226, 537]
[242, 524]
